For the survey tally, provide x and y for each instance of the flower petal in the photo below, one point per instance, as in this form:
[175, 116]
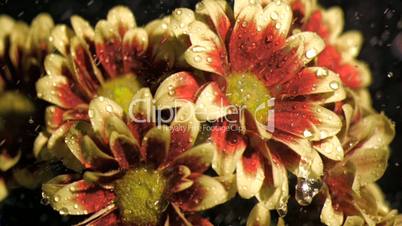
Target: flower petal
[229, 148]
[54, 117]
[354, 221]
[334, 19]
[208, 51]
[329, 215]
[250, 175]
[311, 80]
[176, 90]
[259, 215]
[7, 161]
[75, 198]
[100, 112]
[155, 145]
[109, 48]
[121, 18]
[330, 147]
[3, 189]
[198, 158]
[211, 103]
[309, 45]
[219, 13]
[306, 120]
[141, 113]
[205, 193]
[87, 75]
[57, 90]
[56, 64]
[60, 39]
[135, 44]
[82, 29]
[279, 15]
[349, 44]
[84, 148]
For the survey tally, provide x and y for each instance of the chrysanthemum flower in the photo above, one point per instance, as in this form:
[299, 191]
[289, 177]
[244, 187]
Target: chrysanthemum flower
[352, 197]
[341, 49]
[258, 68]
[136, 174]
[22, 49]
[113, 60]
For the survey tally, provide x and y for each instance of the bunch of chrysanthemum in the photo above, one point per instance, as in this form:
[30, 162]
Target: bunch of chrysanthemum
[156, 124]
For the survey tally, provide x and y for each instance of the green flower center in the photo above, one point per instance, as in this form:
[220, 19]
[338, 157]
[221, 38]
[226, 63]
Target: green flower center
[247, 91]
[140, 194]
[121, 90]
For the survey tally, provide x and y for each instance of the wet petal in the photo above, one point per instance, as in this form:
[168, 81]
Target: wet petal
[211, 103]
[309, 45]
[135, 44]
[56, 64]
[87, 75]
[57, 90]
[259, 215]
[250, 175]
[349, 44]
[229, 148]
[277, 14]
[329, 215]
[219, 13]
[84, 148]
[311, 80]
[176, 90]
[54, 117]
[60, 39]
[109, 48]
[141, 113]
[82, 29]
[205, 193]
[3, 189]
[75, 198]
[207, 52]
[306, 120]
[155, 145]
[125, 149]
[7, 161]
[330, 147]
[198, 158]
[122, 18]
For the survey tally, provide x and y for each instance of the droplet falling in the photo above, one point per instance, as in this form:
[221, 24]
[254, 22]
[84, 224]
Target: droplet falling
[306, 190]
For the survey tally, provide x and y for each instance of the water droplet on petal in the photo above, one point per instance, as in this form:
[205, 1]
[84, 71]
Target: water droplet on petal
[311, 53]
[334, 85]
[307, 133]
[197, 59]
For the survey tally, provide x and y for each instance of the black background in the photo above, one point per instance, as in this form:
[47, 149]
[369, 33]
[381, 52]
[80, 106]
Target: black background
[379, 20]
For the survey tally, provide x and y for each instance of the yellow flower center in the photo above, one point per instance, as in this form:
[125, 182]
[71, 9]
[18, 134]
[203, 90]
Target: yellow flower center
[140, 196]
[121, 89]
[247, 91]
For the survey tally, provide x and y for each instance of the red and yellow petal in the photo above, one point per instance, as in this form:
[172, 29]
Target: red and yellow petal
[83, 29]
[57, 90]
[308, 44]
[109, 50]
[250, 174]
[85, 149]
[121, 18]
[330, 147]
[219, 13]
[198, 158]
[329, 215]
[211, 103]
[349, 44]
[135, 44]
[208, 51]
[310, 81]
[176, 90]
[75, 197]
[54, 117]
[155, 145]
[205, 193]
[86, 74]
[306, 120]
[230, 146]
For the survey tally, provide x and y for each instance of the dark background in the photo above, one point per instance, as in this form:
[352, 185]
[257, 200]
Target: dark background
[379, 20]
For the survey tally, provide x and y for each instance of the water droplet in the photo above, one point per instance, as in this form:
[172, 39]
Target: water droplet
[306, 190]
[311, 53]
[197, 58]
[198, 49]
[209, 59]
[178, 12]
[307, 133]
[56, 198]
[278, 26]
[109, 108]
[334, 85]
[244, 24]
[323, 134]
[274, 16]
[322, 72]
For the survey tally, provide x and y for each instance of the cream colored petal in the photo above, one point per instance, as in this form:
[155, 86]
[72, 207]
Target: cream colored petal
[308, 45]
[330, 148]
[329, 215]
[258, 216]
[82, 28]
[349, 44]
